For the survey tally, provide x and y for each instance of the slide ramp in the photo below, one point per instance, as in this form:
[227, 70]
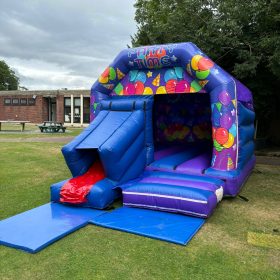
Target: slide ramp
[120, 138]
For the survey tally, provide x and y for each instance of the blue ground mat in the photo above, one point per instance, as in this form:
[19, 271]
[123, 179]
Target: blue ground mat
[164, 226]
[37, 228]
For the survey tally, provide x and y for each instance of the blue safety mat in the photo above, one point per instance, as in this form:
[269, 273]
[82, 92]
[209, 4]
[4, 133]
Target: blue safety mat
[154, 224]
[37, 228]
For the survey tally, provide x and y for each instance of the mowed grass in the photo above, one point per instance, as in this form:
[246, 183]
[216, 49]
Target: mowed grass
[219, 250]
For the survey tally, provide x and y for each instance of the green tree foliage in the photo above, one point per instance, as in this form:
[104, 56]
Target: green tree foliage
[242, 36]
[8, 78]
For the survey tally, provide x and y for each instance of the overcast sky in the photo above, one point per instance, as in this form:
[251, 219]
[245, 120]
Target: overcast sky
[53, 44]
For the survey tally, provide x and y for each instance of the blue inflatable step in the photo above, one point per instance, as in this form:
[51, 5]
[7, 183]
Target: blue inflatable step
[33, 230]
[164, 226]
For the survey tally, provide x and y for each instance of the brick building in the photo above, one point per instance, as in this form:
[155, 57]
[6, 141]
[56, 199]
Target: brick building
[67, 106]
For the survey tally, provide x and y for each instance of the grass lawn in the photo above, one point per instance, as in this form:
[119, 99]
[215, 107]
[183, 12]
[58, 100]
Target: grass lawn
[32, 131]
[219, 251]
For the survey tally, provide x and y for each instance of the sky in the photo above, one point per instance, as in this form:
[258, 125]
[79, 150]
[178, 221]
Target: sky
[54, 44]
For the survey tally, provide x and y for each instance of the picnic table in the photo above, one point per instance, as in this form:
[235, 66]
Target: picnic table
[22, 123]
[51, 127]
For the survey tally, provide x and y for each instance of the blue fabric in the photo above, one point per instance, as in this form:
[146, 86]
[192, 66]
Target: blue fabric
[164, 226]
[119, 151]
[245, 153]
[144, 103]
[246, 132]
[104, 131]
[245, 115]
[121, 136]
[101, 195]
[121, 133]
[35, 229]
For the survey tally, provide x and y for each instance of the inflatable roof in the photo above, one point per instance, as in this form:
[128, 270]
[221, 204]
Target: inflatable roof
[183, 69]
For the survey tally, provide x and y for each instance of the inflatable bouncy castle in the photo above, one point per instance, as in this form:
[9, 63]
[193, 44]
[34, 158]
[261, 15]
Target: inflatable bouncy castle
[170, 131]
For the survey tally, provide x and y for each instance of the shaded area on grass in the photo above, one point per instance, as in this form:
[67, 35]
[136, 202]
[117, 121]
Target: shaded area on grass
[219, 250]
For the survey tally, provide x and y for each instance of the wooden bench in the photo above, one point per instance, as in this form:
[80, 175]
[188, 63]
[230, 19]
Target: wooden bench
[22, 123]
[52, 127]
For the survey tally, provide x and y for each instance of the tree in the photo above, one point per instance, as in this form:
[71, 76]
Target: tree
[8, 78]
[243, 37]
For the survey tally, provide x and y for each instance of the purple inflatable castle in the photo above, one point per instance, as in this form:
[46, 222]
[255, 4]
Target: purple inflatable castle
[173, 131]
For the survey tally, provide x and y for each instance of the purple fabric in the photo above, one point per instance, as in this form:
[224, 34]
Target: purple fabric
[243, 93]
[196, 165]
[172, 205]
[233, 186]
[188, 183]
[233, 179]
[167, 152]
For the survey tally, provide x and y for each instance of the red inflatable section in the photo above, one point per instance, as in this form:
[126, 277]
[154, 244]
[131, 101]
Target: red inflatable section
[76, 189]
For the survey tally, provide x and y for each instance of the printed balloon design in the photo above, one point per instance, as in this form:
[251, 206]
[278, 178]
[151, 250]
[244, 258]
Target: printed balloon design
[134, 88]
[170, 74]
[129, 89]
[226, 120]
[141, 77]
[175, 82]
[217, 146]
[108, 75]
[179, 72]
[199, 132]
[161, 90]
[182, 86]
[136, 83]
[170, 86]
[201, 65]
[233, 130]
[174, 86]
[176, 131]
[195, 86]
[224, 98]
[148, 91]
[119, 89]
[132, 75]
[229, 142]
[221, 135]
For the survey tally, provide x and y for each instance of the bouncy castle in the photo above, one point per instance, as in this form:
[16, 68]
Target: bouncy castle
[170, 131]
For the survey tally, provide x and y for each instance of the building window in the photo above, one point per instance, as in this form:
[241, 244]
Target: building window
[7, 101]
[23, 101]
[31, 101]
[67, 109]
[77, 109]
[15, 101]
